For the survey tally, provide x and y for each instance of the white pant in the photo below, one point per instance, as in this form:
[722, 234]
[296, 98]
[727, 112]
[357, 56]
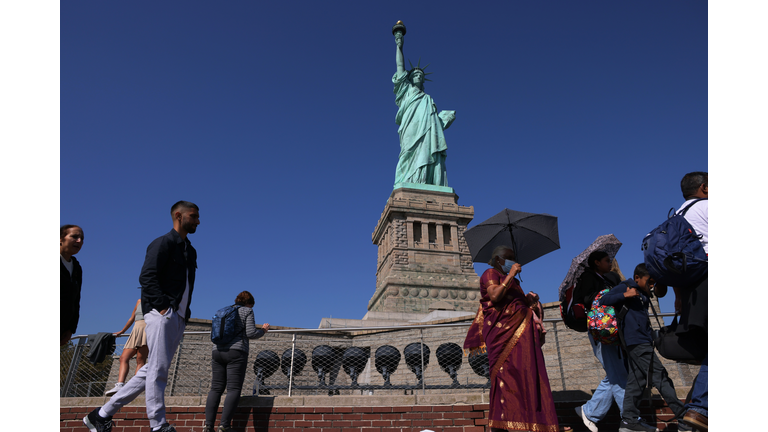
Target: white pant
[164, 333]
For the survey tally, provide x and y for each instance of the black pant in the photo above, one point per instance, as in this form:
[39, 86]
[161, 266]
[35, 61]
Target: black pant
[228, 369]
[640, 357]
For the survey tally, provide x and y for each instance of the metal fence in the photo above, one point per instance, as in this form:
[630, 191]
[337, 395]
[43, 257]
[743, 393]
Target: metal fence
[78, 376]
[384, 360]
[334, 361]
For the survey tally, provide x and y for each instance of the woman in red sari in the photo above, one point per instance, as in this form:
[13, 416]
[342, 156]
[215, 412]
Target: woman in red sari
[508, 327]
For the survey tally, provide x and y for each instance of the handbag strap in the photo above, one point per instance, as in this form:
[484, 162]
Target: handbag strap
[650, 302]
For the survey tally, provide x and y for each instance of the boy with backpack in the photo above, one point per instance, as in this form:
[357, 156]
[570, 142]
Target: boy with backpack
[634, 295]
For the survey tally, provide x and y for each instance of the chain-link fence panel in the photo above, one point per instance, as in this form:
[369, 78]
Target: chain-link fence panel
[339, 362]
[79, 377]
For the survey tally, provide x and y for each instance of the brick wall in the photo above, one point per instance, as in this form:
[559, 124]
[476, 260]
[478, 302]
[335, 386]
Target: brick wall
[458, 418]
[388, 415]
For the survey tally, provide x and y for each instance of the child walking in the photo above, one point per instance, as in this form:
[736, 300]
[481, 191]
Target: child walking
[636, 328]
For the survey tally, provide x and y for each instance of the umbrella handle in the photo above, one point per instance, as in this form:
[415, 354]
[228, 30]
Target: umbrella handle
[514, 249]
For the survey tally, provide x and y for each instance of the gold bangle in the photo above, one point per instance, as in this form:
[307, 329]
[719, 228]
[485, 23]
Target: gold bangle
[502, 284]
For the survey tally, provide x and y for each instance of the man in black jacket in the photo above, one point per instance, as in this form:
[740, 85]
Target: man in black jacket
[167, 281]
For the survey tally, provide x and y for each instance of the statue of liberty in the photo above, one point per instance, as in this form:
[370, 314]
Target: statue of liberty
[422, 143]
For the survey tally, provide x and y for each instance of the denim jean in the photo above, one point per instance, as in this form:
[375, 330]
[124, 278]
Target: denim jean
[611, 388]
[699, 396]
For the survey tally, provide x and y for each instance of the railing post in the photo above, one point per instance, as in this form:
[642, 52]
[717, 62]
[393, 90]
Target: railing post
[73, 365]
[176, 367]
[559, 355]
[290, 372]
[423, 372]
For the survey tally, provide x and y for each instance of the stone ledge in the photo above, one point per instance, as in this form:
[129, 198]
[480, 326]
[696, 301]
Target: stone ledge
[314, 401]
[347, 400]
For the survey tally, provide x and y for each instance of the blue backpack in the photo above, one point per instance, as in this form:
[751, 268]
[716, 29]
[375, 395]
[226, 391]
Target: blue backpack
[224, 325]
[673, 253]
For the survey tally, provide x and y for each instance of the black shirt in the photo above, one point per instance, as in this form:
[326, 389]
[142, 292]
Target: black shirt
[590, 283]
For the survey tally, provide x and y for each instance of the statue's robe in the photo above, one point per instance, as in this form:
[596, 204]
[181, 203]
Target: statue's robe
[422, 143]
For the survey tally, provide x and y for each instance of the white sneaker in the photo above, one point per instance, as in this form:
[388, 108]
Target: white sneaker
[587, 422]
[114, 390]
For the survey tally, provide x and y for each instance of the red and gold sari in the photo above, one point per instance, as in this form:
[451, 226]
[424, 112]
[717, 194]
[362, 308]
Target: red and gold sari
[509, 332]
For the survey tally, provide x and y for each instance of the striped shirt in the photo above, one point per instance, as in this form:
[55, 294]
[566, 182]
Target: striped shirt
[246, 328]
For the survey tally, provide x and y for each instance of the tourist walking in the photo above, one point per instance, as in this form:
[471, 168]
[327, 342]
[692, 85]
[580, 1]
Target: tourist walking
[597, 277]
[644, 365]
[508, 327]
[692, 301]
[167, 281]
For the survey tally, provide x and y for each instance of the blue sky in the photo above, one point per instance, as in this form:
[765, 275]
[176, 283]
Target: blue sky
[277, 119]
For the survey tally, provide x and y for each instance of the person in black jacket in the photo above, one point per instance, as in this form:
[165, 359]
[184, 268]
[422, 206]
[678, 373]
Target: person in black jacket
[597, 277]
[167, 282]
[637, 332]
[71, 239]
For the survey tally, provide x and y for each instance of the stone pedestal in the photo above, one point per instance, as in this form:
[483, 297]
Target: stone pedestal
[424, 262]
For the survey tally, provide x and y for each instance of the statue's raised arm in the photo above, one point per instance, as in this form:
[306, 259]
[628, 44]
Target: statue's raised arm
[399, 31]
[422, 143]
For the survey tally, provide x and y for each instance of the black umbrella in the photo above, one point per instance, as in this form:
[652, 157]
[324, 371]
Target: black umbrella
[529, 235]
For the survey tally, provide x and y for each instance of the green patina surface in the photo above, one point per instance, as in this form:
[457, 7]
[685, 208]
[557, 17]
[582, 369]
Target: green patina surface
[422, 142]
[423, 186]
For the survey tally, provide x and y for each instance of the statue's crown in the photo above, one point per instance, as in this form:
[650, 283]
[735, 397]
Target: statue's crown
[420, 69]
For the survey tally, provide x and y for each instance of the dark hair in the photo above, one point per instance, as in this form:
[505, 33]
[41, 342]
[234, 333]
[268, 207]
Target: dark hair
[641, 271]
[498, 251]
[183, 204]
[244, 298]
[691, 182]
[65, 229]
[596, 256]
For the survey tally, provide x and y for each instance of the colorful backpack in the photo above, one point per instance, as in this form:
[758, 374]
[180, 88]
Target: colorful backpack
[602, 323]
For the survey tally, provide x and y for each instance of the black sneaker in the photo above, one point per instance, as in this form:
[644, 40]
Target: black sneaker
[166, 428]
[637, 426]
[96, 423]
